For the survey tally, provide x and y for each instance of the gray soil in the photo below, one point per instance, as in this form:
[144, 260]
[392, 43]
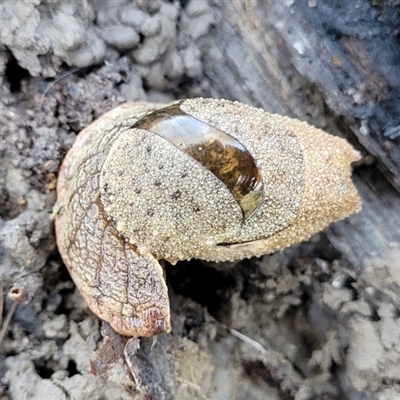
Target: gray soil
[319, 320]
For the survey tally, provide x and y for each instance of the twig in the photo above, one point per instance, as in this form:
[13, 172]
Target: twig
[17, 296]
[1, 303]
[249, 341]
[6, 321]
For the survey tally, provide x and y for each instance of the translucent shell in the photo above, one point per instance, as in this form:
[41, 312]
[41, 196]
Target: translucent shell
[217, 151]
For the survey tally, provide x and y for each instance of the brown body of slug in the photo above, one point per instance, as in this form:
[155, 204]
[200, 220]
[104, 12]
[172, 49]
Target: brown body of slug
[200, 178]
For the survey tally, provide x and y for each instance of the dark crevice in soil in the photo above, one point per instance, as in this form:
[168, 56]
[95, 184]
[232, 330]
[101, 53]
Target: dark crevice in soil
[43, 370]
[71, 368]
[258, 371]
[15, 74]
[202, 284]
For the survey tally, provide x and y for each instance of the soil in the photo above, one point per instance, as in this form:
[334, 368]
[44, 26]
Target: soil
[319, 320]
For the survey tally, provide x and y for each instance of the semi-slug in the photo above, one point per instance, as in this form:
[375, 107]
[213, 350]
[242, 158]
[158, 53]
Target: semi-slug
[199, 178]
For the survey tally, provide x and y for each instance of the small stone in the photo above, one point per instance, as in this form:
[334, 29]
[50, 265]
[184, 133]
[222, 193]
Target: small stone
[121, 37]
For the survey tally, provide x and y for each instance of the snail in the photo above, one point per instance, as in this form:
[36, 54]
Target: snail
[198, 178]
